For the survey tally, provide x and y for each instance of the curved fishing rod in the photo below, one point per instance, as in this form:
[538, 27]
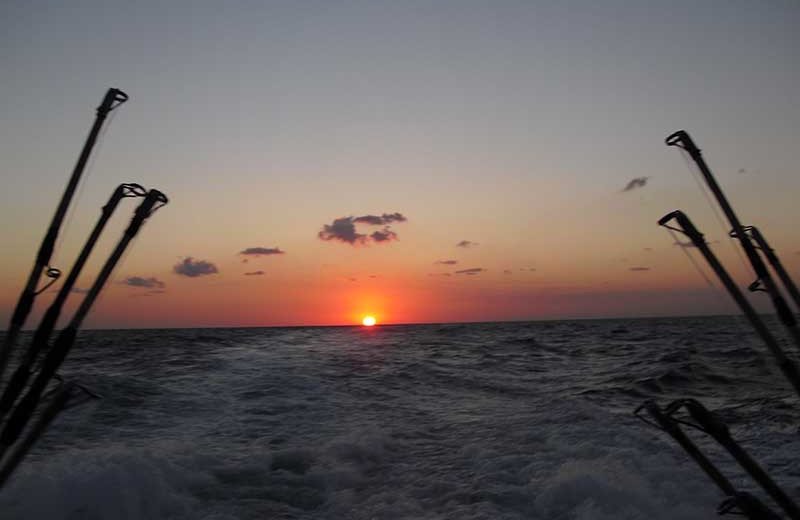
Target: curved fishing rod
[787, 366]
[66, 339]
[707, 423]
[682, 140]
[775, 262]
[48, 323]
[750, 506]
[113, 99]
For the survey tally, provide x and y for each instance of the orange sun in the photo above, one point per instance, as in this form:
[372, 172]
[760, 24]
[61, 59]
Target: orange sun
[368, 321]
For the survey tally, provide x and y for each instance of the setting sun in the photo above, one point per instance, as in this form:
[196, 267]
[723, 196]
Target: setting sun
[368, 321]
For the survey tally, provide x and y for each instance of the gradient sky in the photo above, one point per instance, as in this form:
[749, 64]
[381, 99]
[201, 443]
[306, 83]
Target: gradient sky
[512, 125]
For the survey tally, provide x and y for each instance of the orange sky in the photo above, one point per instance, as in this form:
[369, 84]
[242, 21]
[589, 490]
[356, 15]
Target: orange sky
[515, 128]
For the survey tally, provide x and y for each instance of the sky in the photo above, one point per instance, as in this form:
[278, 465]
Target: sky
[436, 161]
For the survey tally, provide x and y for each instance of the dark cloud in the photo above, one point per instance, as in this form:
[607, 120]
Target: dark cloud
[138, 281]
[638, 182]
[683, 244]
[507, 271]
[742, 170]
[193, 268]
[258, 251]
[648, 249]
[438, 274]
[446, 262]
[78, 290]
[344, 229]
[638, 269]
[386, 218]
[385, 235]
[472, 270]
[530, 269]
[351, 279]
[373, 276]
[466, 243]
[254, 273]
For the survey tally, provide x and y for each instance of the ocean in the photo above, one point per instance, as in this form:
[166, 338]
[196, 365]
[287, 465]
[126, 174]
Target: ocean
[520, 420]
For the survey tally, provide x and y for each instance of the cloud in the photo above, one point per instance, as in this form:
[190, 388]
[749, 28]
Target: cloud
[466, 243]
[446, 262]
[648, 249]
[344, 229]
[384, 236]
[138, 281]
[530, 269]
[742, 170]
[78, 290]
[638, 182]
[638, 269]
[472, 270]
[193, 268]
[258, 251]
[438, 274]
[386, 218]
[507, 271]
[254, 273]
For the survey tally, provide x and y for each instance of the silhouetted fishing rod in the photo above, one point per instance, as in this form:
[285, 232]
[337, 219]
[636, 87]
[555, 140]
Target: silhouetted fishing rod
[750, 506]
[787, 366]
[112, 100]
[56, 405]
[682, 140]
[775, 262]
[707, 423]
[48, 323]
[66, 339]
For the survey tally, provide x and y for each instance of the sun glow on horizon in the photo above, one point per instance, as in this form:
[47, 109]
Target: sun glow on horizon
[368, 321]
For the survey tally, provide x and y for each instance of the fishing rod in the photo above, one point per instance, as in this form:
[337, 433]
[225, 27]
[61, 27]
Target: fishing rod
[787, 366]
[707, 423]
[682, 140]
[748, 504]
[113, 99]
[774, 262]
[48, 323]
[57, 404]
[66, 339]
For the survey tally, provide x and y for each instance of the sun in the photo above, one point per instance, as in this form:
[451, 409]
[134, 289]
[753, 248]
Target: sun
[368, 321]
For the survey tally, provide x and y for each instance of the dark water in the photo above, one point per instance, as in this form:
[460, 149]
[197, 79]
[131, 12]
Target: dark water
[501, 420]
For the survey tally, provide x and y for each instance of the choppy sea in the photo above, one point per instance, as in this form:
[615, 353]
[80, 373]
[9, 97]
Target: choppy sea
[523, 420]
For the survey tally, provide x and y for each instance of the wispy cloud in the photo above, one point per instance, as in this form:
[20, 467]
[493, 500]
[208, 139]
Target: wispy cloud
[635, 183]
[385, 235]
[638, 268]
[386, 218]
[194, 268]
[259, 251]
[466, 244]
[439, 274]
[507, 271]
[344, 229]
[648, 249]
[446, 262]
[139, 281]
[472, 271]
[254, 273]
